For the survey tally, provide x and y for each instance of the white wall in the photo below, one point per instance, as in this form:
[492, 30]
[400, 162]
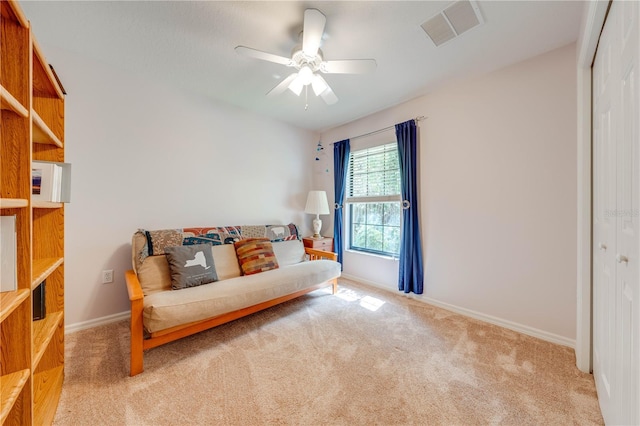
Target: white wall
[147, 156]
[497, 196]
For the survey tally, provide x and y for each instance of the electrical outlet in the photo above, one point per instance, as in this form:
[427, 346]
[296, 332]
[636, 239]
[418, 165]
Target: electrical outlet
[107, 276]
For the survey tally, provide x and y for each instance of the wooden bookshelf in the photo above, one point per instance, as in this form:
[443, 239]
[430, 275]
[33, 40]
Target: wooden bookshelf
[32, 128]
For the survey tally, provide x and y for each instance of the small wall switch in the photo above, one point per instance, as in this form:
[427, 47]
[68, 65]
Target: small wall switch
[107, 276]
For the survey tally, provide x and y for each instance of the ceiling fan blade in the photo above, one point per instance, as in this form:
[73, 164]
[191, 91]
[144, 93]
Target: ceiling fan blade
[258, 54]
[314, 22]
[328, 96]
[282, 86]
[318, 84]
[349, 66]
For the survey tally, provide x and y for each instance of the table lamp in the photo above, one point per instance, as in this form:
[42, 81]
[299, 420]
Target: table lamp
[317, 204]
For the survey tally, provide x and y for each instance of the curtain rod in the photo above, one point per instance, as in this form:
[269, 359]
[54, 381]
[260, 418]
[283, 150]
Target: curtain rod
[419, 118]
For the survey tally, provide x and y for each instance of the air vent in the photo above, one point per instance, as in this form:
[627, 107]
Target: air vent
[456, 19]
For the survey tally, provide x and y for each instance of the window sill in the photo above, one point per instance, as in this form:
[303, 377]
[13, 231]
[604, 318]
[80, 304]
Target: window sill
[380, 256]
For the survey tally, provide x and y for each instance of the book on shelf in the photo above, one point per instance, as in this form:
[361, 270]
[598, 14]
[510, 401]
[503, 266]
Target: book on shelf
[9, 259]
[38, 298]
[50, 181]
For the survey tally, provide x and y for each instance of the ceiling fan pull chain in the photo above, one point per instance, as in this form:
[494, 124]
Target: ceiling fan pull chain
[306, 97]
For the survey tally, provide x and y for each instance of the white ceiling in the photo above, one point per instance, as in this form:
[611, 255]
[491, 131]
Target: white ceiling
[191, 45]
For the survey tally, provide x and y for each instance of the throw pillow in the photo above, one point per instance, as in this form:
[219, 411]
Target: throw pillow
[190, 266]
[255, 255]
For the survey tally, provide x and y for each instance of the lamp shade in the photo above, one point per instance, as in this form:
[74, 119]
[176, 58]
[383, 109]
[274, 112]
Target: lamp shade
[317, 203]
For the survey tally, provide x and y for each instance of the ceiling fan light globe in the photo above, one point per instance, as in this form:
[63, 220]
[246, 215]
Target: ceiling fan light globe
[296, 86]
[305, 75]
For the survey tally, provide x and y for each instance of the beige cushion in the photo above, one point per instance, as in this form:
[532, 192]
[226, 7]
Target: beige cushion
[225, 261]
[167, 309]
[288, 252]
[154, 275]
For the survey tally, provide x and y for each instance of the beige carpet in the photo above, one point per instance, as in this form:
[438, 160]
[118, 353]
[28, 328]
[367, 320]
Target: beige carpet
[362, 357]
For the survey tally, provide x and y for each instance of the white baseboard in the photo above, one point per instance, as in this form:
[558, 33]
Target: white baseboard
[520, 328]
[72, 328]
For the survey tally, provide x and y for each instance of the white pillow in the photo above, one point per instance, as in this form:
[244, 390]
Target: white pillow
[224, 257]
[288, 252]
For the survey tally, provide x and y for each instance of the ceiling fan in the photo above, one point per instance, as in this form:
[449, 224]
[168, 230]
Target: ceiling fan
[308, 62]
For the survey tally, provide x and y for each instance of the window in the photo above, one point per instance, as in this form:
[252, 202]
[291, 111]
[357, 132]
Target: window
[373, 200]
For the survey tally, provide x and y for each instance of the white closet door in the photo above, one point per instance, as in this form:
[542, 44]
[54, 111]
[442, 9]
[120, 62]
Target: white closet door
[604, 221]
[628, 182]
[616, 233]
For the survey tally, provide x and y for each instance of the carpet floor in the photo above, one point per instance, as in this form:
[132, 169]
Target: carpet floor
[361, 357]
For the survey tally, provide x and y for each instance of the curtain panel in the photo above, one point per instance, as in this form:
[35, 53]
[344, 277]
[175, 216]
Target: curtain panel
[411, 273]
[340, 165]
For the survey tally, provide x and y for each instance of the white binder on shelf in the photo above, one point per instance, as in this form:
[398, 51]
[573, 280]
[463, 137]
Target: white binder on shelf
[8, 256]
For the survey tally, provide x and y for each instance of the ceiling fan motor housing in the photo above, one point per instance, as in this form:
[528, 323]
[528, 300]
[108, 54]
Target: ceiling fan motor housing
[299, 59]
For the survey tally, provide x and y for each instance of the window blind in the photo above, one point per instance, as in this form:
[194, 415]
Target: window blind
[374, 175]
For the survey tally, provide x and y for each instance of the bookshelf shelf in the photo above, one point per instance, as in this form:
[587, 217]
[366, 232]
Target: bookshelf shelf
[11, 386]
[43, 332]
[42, 268]
[9, 103]
[31, 129]
[13, 203]
[10, 300]
[41, 132]
[46, 205]
[46, 390]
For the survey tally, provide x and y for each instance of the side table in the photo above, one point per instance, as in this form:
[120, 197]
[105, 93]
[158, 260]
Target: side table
[323, 243]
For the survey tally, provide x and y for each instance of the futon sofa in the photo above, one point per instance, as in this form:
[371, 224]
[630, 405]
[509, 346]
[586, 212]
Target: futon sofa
[239, 270]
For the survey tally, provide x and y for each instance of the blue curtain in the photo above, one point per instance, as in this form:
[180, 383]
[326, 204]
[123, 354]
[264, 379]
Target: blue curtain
[411, 274]
[340, 165]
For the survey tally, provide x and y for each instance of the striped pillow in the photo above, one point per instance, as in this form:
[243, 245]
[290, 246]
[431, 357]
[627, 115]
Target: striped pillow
[255, 255]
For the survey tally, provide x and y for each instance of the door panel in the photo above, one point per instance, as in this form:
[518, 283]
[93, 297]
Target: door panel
[604, 229]
[616, 211]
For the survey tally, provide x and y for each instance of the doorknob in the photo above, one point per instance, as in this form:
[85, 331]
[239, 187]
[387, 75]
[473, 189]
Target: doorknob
[622, 259]
[602, 246]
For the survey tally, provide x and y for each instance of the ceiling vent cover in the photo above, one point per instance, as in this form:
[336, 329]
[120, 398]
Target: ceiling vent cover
[456, 19]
